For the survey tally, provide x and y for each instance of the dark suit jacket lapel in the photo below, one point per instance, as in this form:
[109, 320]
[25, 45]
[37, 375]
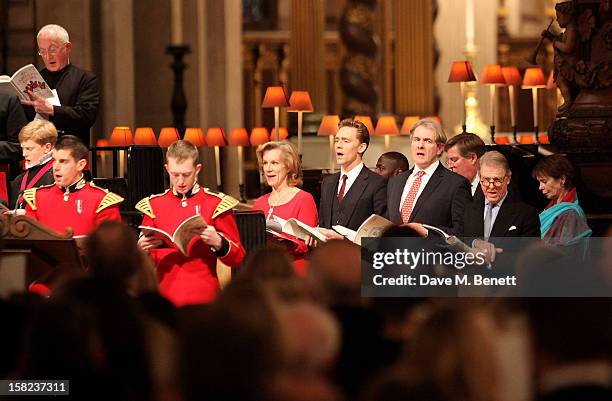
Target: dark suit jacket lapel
[354, 193]
[504, 219]
[330, 190]
[477, 214]
[395, 195]
[429, 189]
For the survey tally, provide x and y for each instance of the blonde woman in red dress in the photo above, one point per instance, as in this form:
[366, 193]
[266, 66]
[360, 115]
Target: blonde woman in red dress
[282, 170]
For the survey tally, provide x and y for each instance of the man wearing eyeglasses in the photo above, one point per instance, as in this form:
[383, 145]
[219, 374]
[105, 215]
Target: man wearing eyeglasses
[496, 212]
[77, 89]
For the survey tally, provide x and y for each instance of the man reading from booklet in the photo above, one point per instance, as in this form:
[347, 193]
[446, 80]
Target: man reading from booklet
[77, 89]
[189, 277]
[71, 201]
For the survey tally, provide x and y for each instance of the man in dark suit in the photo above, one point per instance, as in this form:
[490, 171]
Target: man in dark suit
[349, 197]
[462, 153]
[428, 193]
[496, 212]
[77, 89]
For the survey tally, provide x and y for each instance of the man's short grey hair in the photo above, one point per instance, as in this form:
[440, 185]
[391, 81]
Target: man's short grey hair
[493, 158]
[55, 30]
[433, 125]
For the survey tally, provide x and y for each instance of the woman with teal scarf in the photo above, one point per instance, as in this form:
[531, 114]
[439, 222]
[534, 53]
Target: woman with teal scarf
[563, 222]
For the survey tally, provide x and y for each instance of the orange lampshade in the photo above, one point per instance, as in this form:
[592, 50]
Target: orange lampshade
[409, 122]
[551, 84]
[526, 139]
[300, 101]
[367, 121]
[534, 78]
[121, 136]
[167, 136]
[239, 137]
[259, 136]
[145, 136]
[461, 71]
[492, 75]
[195, 136]
[275, 97]
[215, 137]
[329, 125]
[502, 140]
[282, 134]
[544, 139]
[102, 143]
[386, 125]
[512, 75]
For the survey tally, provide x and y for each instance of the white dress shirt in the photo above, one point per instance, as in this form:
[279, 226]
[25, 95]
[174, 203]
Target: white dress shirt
[494, 210]
[475, 183]
[424, 180]
[351, 176]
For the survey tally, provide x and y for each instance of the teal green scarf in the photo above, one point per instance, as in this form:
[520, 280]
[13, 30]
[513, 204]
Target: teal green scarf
[548, 216]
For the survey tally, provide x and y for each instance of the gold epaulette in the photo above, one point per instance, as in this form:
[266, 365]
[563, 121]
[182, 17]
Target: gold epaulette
[227, 202]
[144, 206]
[109, 199]
[29, 195]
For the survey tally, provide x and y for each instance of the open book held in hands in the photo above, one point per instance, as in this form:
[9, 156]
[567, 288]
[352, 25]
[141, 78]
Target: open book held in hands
[27, 78]
[450, 240]
[182, 235]
[293, 227]
[372, 227]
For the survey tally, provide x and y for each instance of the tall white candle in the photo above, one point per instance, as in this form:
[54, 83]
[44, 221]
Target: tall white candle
[492, 89]
[534, 95]
[331, 154]
[176, 26]
[511, 95]
[218, 166]
[240, 167]
[300, 132]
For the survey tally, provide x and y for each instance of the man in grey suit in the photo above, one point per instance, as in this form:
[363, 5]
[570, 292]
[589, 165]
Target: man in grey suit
[350, 196]
[428, 193]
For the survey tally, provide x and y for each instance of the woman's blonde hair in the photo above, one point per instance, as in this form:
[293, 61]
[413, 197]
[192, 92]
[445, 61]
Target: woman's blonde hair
[289, 156]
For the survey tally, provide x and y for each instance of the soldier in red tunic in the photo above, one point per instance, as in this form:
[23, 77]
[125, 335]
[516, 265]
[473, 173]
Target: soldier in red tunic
[191, 278]
[71, 202]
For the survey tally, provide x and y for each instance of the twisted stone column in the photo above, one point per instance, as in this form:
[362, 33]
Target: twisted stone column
[358, 72]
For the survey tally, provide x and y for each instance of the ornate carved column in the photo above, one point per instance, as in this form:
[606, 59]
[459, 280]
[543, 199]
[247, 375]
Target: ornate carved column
[307, 50]
[414, 58]
[358, 74]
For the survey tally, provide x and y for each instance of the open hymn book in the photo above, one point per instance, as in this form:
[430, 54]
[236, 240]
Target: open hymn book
[181, 236]
[375, 225]
[27, 78]
[293, 227]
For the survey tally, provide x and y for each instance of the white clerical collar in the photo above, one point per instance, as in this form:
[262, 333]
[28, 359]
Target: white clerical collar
[46, 157]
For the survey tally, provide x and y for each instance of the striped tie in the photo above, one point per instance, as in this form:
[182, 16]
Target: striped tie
[406, 210]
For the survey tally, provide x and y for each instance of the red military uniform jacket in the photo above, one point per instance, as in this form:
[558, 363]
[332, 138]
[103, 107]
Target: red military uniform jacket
[192, 279]
[81, 207]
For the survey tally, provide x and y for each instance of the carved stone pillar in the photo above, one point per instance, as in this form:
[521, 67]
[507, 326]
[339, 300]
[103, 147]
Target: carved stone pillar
[307, 50]
[358, 75]
[414, 58]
